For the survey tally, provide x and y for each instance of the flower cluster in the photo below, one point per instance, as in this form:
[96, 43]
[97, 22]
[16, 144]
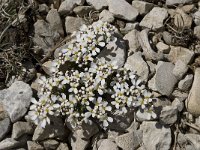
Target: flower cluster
[85, 88]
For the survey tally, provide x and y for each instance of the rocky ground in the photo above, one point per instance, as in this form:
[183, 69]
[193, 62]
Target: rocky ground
[162, 44]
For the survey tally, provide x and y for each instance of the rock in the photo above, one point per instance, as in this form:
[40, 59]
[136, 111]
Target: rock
[143, 116]
[77, 143]
[9, 143]
[129, 27]
[186, 83]
[182, 20]
[120, 8]
[193, 101]
[21, 128]
[55, 130]
[5, 122]
[180, 53]
[175, 2]
[188, 8]
[114, 52]
[180, 95]
[63, 146]
[107, 144]
[84, 130]
[34, 146]
[152, 68]
[167, 37]
[164, 48]
[129, 141]
[106, 16]
[152, 84]
[197, 31]
[98, 5]
[16, 100]
[73, 24]
[196, 17]
[194, 139]
[68, 5]
[132, 39]
[137, 64]
[148, 52]
[142, 7]
[168, 115]
[133, 127]
[160, 136]
[43, 8]
[165, 80]
[149, 20]
[47, 67]
[179, 105]
[50, 144]
[55, 21]
[180, 69]
[82, 11]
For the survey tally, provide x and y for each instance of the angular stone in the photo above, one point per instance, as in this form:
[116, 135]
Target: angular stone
[149, 20]
[73, 24]
[55, 21]
[107, 144]
[197, 31]
[114, 52]
[178, 104]
[50, 144]
[180, 69]
[82, 11]
[55, 130]
[142, 7]
[186, 83]
[132, 39]
[180, 53]
[34, 146]
[47, 67]
[193, 101]
[63, 146]
[175, 2]
[137, 64]
[129, 141]
[17, 99]
[43, 8]
[129, 27]
[106, 16]
[165, 80]
[160, 136]
[21, 128]
[194, 139]
[120, 8]
[168, 115]
[163, 47]
[182, 20]
[98, 5]
[77, 143]
[196, 17]
[9, 143]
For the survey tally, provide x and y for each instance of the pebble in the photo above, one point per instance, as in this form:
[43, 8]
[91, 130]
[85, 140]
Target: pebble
[186, 83]
[180, 69]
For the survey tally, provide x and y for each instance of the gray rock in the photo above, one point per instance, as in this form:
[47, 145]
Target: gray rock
[43, 8]
[106, 16]
[73, 24]
[180, 69]
[137, 64]
[196, 17]
[9, 143]
[67, 6]
[51, 144]
[55, 21]
[197, 31]
[47, 67]
[180, 95]
[129, 27]
[5, 122]
[186, 83]
[98, 5]
[34, 146]
[107, 144]
[163, 47]
[78, 143]
[179, 105]
[120, 8]
[55, 130]
[165, 80]
[63, 146]
[193, 101]
[84, 130]
[132, 39]
[16, 100]
[167, 37]
[129, 141]
[160, 136]
[149, 20]
[142, 7]
[82, 11]
[168, 115]
[114, 52]
[21, 128]
[180, 53]
[152, 68]
[194, 139]
[175, 2]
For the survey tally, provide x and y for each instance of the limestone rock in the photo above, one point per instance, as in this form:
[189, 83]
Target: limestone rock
[175, 2]
[163, 47]
[82, 11]
[142, 7]
[34, 146]
[120, 8]
[50, 144]
[63, 146]
[169, 115]
[106, 16]
[149, 20]
[73, 24]
[98, 5]
[107, 144]
[180, 69]
[186, 83]
[196, 17]
[197, 31]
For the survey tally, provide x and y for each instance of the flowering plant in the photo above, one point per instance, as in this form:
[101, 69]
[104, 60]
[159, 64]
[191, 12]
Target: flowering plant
[83, 87]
